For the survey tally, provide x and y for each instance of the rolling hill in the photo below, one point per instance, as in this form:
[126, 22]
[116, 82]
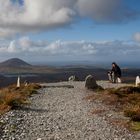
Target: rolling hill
[14, 62]
[16, 65]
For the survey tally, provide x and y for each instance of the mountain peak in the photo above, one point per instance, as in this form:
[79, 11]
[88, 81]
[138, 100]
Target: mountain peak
[14, 62]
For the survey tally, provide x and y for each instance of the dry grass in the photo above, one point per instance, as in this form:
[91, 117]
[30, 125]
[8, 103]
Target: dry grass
[133, 112]
[12, 96]
[98, 111]
[125, 99]
[119, 122]
[135, 126]
[4, 108]
[128, 98]
[90, 98]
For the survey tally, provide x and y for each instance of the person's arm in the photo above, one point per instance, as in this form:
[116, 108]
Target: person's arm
[113, 70]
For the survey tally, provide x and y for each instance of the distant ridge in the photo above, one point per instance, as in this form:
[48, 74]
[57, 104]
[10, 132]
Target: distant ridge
[14, 62]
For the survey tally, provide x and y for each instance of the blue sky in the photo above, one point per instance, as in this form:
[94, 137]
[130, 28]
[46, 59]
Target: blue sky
[87, 30]
[70, 30]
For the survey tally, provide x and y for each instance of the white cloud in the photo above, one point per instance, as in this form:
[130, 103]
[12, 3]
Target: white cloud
[67, 50]
[12, 47]
[137, 36]
[34, 15]
[38, 15]
[25, 43]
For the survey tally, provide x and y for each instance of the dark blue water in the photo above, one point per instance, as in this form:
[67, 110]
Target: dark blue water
[21, 75]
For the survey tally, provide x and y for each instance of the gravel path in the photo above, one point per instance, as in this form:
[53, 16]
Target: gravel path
[59, 112]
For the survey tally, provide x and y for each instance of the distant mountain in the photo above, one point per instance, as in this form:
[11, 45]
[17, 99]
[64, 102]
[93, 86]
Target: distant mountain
[16, 65]
[14, 62]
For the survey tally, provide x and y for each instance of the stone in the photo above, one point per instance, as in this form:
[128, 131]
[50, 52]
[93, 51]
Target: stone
[26, 83]
[73, 78]
[18, 82]
[137, 81]
[90, 82]
[119, 80]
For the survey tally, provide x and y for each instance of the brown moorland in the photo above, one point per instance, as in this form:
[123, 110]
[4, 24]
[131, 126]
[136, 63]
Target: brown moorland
[125, 99]
[11, 96]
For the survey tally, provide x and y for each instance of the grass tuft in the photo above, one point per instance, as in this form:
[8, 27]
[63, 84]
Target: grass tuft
[98, 111]
[125, 99]
[135, 126]
[12, 96]
[133, 112]
[128, 98]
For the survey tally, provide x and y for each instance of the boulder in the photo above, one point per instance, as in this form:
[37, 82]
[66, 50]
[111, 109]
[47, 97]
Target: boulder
[137, 81]
[90, 82]
[73, 78]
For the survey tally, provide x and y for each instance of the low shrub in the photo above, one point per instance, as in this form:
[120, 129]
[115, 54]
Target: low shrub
[126, 90]
[133, 113]
[12, 96]
[126, 99]
[135, 126]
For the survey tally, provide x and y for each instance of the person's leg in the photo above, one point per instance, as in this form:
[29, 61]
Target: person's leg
[114, 78]
[110, 77]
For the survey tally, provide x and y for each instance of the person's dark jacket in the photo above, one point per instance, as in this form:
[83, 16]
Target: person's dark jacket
[117, 71]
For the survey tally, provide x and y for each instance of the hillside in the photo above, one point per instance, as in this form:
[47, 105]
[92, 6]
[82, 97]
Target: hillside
[14, 62]
[16, 65]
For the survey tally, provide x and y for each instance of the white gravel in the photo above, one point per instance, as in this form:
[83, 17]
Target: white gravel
[60, 113]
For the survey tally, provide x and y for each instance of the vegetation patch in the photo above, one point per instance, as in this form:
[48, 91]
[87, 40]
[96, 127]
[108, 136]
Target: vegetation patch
[12, 96]
[125, 99]
[135, 126]
[119, 122]
[90, 98]
[98, 111]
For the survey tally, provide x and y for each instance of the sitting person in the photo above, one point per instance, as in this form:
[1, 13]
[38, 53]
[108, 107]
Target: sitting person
[115, 74]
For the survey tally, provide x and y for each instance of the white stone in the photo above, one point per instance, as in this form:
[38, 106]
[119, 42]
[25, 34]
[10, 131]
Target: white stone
[18, 82]
[137, 80]
[73, 78]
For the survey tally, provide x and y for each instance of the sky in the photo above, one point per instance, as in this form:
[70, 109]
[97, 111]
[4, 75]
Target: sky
[70, 30]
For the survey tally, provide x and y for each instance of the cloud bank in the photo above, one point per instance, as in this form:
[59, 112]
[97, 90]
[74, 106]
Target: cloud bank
[40, 15]
[137, 36]
[72, 50]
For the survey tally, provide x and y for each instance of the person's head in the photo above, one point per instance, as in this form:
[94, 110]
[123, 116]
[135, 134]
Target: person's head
[114, 64]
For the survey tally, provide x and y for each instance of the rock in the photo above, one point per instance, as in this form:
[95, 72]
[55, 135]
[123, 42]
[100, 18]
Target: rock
[73, 78]
[26, 83]
[137, 81]
[18, 82]
[90, 82]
